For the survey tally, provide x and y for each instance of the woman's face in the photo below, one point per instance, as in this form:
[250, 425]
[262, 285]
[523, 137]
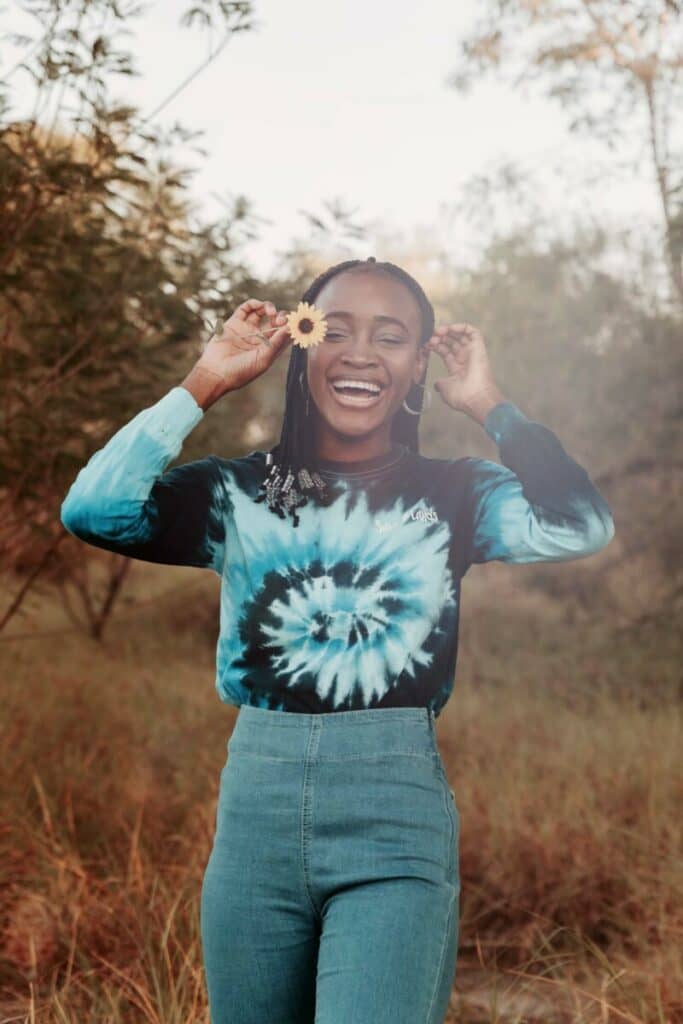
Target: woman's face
[373, 331]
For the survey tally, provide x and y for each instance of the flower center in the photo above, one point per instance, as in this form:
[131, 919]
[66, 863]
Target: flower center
[305, 325]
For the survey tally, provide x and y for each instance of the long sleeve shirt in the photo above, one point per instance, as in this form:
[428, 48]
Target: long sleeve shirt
[358, 605]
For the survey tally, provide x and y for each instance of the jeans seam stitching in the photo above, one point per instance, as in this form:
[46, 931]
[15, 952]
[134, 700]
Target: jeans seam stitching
[445, 786]
[441, 955]
[451, 828]
[455, 866]
[306, 815]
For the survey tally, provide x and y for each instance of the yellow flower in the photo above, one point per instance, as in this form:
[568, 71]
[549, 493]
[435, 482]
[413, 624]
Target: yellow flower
[307, 325]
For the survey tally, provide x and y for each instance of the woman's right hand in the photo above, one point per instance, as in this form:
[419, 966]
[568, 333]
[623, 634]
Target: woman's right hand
[238, 354]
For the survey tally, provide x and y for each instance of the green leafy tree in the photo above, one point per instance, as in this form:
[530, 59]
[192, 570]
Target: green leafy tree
[108, 279]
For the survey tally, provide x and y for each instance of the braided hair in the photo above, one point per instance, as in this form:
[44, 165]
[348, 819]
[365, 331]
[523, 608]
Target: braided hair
[291, 477]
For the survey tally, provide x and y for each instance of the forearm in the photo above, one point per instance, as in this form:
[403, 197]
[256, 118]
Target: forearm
[108, 496]
[541, 504]
[481, 404]
[205, 385]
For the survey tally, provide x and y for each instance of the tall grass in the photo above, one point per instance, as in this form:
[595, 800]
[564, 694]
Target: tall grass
[564, 754]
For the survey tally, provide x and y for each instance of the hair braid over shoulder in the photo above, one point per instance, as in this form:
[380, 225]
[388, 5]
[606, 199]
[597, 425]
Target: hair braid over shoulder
[291, 478]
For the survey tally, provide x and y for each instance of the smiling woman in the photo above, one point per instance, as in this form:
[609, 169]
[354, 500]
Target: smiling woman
[337, 829]
[373, 346]
[352, 600]
[378, 323]
[363, 389]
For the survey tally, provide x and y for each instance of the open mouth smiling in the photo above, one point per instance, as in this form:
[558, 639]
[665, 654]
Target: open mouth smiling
[356, 391]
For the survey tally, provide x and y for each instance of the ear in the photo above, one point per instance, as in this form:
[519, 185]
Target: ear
[421, 360]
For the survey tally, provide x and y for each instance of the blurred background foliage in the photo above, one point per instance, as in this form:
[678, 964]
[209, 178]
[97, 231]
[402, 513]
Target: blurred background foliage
[110, 281]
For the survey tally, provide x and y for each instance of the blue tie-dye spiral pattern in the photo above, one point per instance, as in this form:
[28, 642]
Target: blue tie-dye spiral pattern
[359, 605]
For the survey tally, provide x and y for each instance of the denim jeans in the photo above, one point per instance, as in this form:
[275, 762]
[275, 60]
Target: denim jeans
[331, 894]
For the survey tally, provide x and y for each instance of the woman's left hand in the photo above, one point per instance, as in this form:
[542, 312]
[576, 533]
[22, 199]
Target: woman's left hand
[470, 386]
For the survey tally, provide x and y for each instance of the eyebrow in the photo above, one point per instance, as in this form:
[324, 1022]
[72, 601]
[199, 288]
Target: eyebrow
[384, 319]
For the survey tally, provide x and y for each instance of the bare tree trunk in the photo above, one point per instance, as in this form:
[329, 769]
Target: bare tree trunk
[16, 604]
[674, 248]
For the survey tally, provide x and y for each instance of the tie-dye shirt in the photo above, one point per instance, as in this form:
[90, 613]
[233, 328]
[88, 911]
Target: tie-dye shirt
[357, 606]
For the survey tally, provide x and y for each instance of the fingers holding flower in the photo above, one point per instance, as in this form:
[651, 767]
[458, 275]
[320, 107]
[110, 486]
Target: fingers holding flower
[307, 325]
[469, 385]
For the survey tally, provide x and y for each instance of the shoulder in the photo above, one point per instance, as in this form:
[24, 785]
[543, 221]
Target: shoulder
[429, 463]
[243, 472]
[462, 470]
[466, 477]
[252, 460]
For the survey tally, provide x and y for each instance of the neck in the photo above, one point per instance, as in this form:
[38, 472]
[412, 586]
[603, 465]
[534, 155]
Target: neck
[342, 448]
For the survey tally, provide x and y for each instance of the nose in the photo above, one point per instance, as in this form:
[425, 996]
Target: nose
[360, 352]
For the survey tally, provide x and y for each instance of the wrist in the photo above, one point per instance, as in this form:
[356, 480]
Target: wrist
[205, 385]
[480, 405]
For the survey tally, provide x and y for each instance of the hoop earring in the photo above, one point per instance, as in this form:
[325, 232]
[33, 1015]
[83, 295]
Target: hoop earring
[416, 412]
[307, 408]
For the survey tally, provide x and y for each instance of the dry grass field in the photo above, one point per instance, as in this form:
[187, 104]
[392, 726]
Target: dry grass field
[563, 746]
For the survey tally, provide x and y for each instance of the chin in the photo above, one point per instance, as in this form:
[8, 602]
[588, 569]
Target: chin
[355, 425]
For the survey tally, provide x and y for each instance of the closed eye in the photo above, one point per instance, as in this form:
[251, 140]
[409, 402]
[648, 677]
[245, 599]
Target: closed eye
[335, 334]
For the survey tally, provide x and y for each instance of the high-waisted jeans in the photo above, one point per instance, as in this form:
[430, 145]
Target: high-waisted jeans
[331, 895]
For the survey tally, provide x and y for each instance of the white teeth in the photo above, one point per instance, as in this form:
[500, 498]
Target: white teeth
[362, 385]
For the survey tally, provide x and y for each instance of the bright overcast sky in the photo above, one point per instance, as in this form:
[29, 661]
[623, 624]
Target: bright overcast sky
[349, 101]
